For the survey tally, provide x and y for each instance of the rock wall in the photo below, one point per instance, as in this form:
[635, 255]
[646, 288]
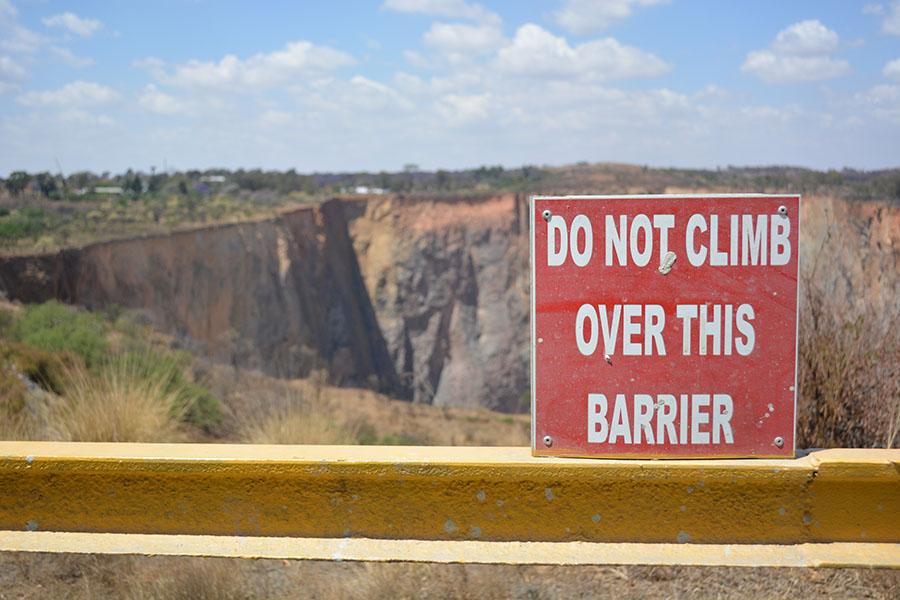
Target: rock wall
[283, 295]
[449, 282]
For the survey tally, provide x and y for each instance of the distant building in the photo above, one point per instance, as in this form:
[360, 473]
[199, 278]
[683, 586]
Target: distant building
[213, 179]
[364, 189]
[108, 189]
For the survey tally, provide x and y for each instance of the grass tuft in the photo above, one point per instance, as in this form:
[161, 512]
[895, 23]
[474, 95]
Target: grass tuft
[118, 404]
[287, 417]
[849, 376]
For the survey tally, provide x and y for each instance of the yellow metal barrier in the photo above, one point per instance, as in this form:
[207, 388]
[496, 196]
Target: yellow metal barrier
[449, 504]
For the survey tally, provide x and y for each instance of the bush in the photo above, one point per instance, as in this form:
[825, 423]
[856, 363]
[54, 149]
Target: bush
[193, 403]
[116, 404]
[54, 327]
[21, 224]
[46, 369]
[849, 375]
[55, 339]
[286, 417]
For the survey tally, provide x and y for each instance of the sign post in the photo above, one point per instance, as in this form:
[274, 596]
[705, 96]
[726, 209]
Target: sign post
[664, 326]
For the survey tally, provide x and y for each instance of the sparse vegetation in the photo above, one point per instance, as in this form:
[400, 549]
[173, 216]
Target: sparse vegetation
[849, 374]
[120, 403]
[288, 418]
[44, 212]
[36, 576]
[66, 374]
[54, 327]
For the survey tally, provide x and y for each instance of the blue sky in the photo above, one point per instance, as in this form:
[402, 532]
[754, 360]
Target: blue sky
[346, 86]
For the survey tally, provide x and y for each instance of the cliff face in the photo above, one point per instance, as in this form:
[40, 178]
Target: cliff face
[421, 298]
[449, 283]
[852, 250]
[283, 295]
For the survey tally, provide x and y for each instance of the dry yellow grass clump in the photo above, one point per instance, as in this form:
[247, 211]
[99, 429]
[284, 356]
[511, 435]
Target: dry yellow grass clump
[849, 374]
[287, 416]
[119, 403]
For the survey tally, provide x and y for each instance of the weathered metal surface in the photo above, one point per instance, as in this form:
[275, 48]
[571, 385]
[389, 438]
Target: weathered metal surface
[664, 326]
[432, 493]
[841, 554]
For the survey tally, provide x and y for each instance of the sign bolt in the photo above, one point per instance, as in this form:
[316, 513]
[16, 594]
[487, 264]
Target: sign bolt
[546, 214]
[782, 210]
[779, 441]
[548, 441]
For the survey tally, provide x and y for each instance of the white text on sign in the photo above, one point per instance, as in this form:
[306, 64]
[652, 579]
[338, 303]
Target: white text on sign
[752, 240]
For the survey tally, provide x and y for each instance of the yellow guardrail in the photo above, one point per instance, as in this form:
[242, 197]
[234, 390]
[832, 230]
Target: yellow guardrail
[831, 507]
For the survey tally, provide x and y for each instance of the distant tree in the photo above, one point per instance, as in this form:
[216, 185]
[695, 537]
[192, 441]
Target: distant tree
[442, 179]
[17, 182]
[136, 185]
[81, 179]
[410, 168]
[47, 185]
[155, 183]
[384, 180]
[182, 188]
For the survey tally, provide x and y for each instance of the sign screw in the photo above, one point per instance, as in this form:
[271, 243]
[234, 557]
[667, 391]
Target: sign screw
[779, 441]
[546, 214]
[548, 441]
[782, 210]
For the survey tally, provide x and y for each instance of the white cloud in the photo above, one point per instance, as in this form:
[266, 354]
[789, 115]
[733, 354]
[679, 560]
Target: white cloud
[891, 23]
[77, 93]
[589, 16]
[11, 73]
[455, 9]
[873, 9]
[153, 65]
[82, 117]
[415, 59]
[14, 37]
[800, 53]
[295, 60]
[776, 68]
[535, 52]
[459, 40]
[806, 38]
[84, 27]
[70, 58]
[332, 100]
[883, 101]
[7, 10]
[275, 118]
[155, 101]
[464, 109]
[892, 69]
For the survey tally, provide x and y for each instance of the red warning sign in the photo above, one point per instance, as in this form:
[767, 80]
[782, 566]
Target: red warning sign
[664, 326]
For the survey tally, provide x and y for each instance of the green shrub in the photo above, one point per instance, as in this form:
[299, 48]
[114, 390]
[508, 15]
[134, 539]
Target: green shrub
[54, 327]
[21, 224]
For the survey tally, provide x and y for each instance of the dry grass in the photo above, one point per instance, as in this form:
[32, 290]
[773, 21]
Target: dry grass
[118, 404]
[33, 576]
[16, 427]
[849, 374]
[284, 415]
